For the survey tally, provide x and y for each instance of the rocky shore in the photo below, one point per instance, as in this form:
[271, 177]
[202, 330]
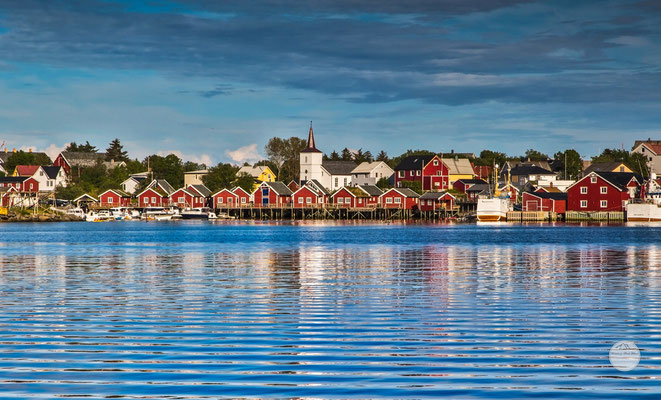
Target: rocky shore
[40, 217]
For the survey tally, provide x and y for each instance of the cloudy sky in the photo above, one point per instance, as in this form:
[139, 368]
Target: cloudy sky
[214, 80]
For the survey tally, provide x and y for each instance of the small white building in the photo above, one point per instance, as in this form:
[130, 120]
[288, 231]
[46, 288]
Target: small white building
[49, 177]
[369, 173]
[331, 174]
[132, 182]
[195, 177]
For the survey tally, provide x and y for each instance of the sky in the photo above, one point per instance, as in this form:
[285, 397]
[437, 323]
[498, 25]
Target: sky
[213, 80]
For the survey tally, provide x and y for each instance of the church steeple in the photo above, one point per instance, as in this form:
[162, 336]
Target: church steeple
[311, 148]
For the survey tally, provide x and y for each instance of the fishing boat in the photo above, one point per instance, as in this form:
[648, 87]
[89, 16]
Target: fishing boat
[157, 214]
[495, 207]
[643, 212]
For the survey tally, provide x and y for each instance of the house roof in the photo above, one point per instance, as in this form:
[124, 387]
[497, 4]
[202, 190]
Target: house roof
[478, 188]
[52, 171]
[620, 178]
[414, 162]
[201, 189]
[367, 167]
[26, 170]
[553, 195]
[13, 179]
[354, 190]
[471, 181]
[239, 188]
[653, 145]
[529, 169]
[279, 188]
[164, 185]
[5, 156]
[317, 185]
[117, 192]
[372, 190]
[550, 189]
[253, 171]
[604, 167]
[73, 157]
[458, 166]
[85, 196]
[404, 191]
[435, 195]
[338, 167]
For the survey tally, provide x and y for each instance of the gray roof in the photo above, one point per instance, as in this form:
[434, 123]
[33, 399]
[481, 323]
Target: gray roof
[339, 167]
[319, 186]
[164, 185]
[408, 192]
[280, 188]
[51, 171]
[372, 190]
[434, 195]
[603, 167]
[479, 187]
[74, 156]
[203, 190]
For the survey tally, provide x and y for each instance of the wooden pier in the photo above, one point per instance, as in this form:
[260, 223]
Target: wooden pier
[532, 216]
[603, 216]
[332, 213]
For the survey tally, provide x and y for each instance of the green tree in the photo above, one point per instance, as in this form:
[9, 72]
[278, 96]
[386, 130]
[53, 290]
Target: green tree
[81, 148]
[534, 155]
[69, 192]
[383, 183]
[635, 161]
[135, 166]
[192, 166]
[115, 151]
[334, 156]
[347, 155]
[220, 177]
[572, 163]
[169, 168]
[285, 155]
[382, 156]
[23, 158]
[489, 158]
[245, 182]
[416, 186]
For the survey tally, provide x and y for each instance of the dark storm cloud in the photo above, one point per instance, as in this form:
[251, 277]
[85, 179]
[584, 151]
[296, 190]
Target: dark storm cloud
[363, 51]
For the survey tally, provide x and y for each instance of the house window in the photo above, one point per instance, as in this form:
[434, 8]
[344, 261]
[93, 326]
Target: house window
[229, 200]
[300, 200]
[153, 200]
[398, 200]
[347, 200]
[30, 186]
[243, 200]
[308, 200]
[435, 162]
[181, 199]
[340, 200]
[584, 203]
[306, 158]
[401, 173]
[336, 181]
[345, 181]
[593, 179]
[389, 200]
[584, 189]
[41, 173]
[417, 173]
[360, 201]
[220, 200]
[604, 189]
[110, 199]
[604, 203]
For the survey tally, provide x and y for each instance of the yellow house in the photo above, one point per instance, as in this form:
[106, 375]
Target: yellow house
[261, 173]
[607, 167]
[458, 168]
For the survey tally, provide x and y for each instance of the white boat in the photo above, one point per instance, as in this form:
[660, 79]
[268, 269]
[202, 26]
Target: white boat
[101, 216]
[198, 213]
[156, 214]
[643, 212]
[493, 209]
[76, 212]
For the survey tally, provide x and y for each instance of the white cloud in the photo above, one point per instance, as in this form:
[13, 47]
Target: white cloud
[52, 150]
[245, 154]
[196, 158]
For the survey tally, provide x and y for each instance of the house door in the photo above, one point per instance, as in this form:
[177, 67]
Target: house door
[265, 196]
[531, 206]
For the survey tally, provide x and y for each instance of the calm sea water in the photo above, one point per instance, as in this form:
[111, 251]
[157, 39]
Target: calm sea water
[208, 310]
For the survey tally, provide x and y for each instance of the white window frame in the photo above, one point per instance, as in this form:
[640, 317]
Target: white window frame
[220, 200]
[584, 190]
[388, 200]
[401, 173]
[593, 179]
[398, 200]
[340, 200]
[603, 189]
[243, 200]
[603, 203]
[584, 204]
[300, 200]
[308, 200]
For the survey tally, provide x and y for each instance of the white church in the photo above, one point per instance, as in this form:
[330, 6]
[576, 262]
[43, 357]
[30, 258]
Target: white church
[331, 174]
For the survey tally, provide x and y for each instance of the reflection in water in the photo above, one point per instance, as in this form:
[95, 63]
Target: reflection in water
[315, 320]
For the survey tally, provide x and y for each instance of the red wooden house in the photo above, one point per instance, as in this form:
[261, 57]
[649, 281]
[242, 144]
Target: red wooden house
[272, 194]
[351, 197]
[400, 198]
[243, 196]
[483, 171]
[114, 198]
[374, 192]
[202, 192]
[7, 196]
[429, 170]
[603, 191]
[157, 194]
[224, 198]
[544, 201]
[432, 201]
[23, 184]
[187, 198]
[462, 185]
[312, 194]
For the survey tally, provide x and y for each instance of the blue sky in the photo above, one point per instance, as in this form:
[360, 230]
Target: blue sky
[214, 80]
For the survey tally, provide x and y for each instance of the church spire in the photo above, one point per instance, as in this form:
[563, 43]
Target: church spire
[311, 148]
